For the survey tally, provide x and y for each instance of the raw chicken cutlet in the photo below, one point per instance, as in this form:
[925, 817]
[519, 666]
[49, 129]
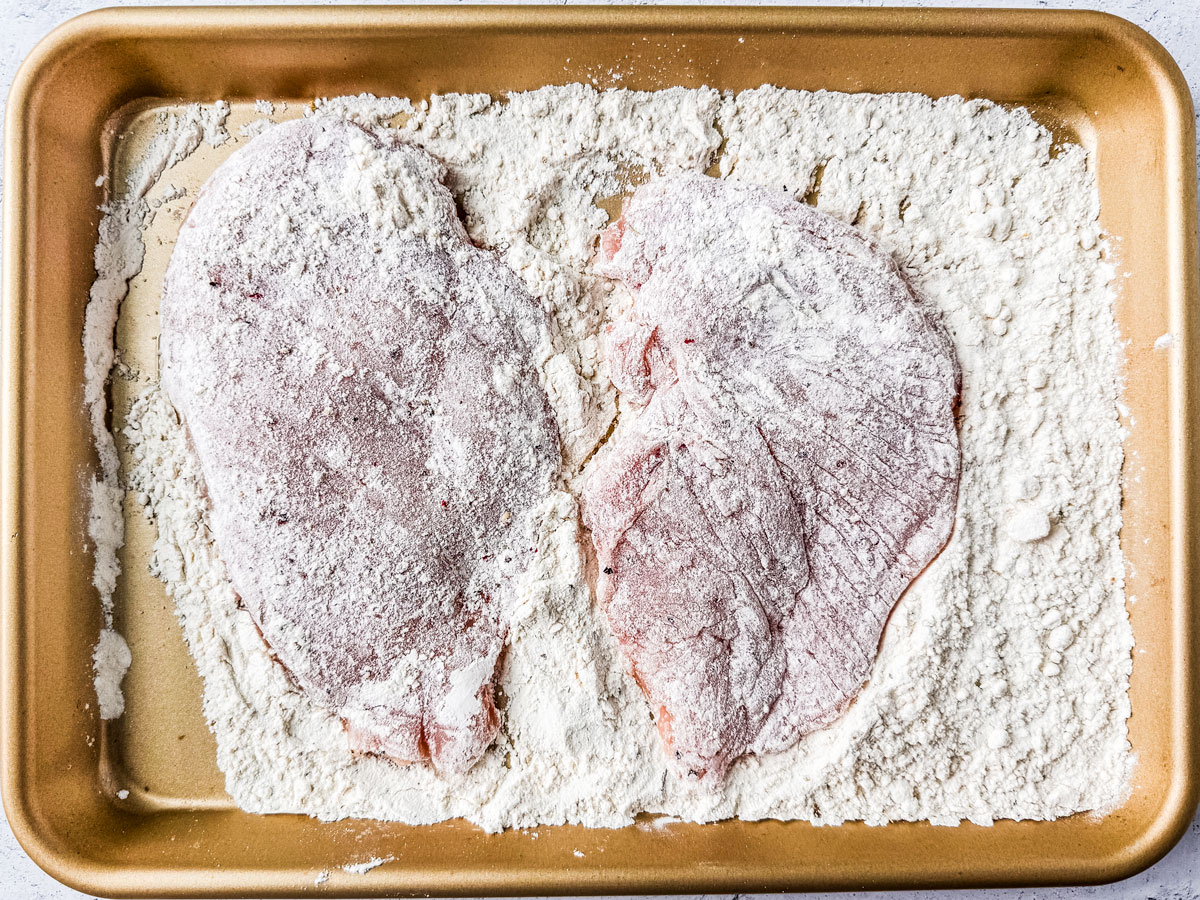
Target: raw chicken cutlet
[786, 462]
[360, 388]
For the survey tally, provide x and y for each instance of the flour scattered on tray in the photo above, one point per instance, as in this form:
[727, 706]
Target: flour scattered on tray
[118, 257]
[1001, 687]
[363, 868]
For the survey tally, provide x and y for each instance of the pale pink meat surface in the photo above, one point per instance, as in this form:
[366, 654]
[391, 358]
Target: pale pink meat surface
[785, 465]
[373, 435]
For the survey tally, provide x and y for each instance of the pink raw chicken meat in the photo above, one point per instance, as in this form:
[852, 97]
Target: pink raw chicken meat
[358, 383]
[786, 462]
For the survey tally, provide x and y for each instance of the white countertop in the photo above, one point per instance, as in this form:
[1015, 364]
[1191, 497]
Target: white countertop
[1176, 23]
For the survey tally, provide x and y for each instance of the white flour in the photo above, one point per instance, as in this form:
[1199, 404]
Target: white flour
[363, 868]
[118, 257]
[1001, 689]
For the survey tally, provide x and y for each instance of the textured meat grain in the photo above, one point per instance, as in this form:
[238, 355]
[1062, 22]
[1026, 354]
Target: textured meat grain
[786, 463]
[359, 385]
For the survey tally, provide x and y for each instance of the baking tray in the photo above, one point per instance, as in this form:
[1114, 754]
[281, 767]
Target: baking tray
[1093, 78]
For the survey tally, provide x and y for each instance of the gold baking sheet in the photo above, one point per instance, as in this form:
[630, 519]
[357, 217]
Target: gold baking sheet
[1094, 78]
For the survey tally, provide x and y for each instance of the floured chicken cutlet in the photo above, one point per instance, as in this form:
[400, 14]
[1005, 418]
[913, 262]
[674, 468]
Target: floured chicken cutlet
[786, 462]
[358, 382]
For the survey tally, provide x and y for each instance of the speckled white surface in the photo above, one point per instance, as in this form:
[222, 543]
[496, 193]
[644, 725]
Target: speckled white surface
[1176, 23]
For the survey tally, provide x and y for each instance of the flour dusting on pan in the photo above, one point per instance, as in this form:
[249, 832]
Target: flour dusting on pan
[1001, 687]
[118, 257]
